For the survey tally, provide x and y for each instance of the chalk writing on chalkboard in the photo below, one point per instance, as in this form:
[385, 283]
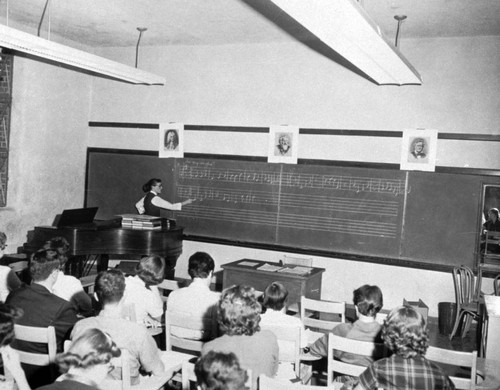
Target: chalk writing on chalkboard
[271, 197]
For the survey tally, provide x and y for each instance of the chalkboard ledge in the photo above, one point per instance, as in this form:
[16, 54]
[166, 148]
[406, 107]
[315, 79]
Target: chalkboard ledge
[399, 262]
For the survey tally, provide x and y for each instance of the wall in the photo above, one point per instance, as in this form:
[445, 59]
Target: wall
[50, 110]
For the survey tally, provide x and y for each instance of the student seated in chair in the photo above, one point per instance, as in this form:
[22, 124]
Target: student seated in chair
[197, 299]
[368, 301]
[68, 287]
[42, 309]
[144, 353]
[219, 371]
[405, 334]
[86, 363]
[142, 291]
[239, 320]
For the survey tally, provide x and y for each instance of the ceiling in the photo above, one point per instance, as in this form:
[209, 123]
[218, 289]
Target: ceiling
[100, 23]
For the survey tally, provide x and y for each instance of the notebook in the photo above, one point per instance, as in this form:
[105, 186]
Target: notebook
[77, 217]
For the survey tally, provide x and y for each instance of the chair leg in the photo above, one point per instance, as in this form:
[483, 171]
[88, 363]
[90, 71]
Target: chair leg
[467, 323]
[457, 323]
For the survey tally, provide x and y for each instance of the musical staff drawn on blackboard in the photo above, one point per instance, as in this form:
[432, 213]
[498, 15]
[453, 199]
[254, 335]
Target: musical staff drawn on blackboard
[291, 199]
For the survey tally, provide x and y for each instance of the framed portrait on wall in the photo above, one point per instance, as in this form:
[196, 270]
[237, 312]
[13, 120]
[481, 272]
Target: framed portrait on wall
[171, 141]
[418, 150]
[283, 144]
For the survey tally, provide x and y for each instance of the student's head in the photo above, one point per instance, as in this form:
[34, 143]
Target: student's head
[493, 214]
[238, 311]
[275, 296]
[152, 184]
[368, 300]
[3, 243]
[8, 315]
[110, 286]
[219, 371]
[43, 265]
[151, 270]
[201, 265]
[405, 333]
[93, 348]
[61, 246]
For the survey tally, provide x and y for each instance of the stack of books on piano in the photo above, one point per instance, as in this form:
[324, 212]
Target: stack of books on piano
[141, 222]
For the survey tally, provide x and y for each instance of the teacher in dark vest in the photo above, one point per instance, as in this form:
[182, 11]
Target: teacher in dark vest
[152, 203]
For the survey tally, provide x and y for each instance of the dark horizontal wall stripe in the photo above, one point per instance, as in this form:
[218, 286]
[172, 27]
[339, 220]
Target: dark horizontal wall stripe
[343, 132]
[127, 125]
[236, 129]
[225, 157]
[470, 137]
[359, 133]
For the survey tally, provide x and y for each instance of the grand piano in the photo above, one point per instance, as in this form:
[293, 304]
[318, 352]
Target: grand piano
[90, 245]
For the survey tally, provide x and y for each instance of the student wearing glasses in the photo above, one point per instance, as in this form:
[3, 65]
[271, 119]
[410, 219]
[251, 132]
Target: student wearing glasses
[152, 203]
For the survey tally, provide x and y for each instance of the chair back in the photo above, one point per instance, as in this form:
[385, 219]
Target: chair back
[380, 318]
[342, 344]
[496, 285]
[465, 289]
[166, 286]
[316, 314]
[128, 312]
[122, 362]
[187, 322]
[33, 334]
[459, 359]
[288, 343]
[492, 239]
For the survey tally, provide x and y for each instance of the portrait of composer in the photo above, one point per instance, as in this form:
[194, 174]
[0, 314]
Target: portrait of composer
[171, 141]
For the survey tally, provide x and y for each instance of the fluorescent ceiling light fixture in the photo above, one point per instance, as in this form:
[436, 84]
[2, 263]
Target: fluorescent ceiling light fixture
[348, 29]
[27, 43]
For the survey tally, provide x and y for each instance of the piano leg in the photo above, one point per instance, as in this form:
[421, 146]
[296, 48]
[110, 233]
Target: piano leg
[170, 262]
[102, 263]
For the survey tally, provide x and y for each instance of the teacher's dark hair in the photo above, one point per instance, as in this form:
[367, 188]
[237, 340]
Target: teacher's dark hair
[150, 184]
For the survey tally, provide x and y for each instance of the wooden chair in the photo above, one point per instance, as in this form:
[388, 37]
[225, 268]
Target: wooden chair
[288, 343]
[364, 348]
[321, 309]
[33, 334]
[88, 283]
[466, 299]
[123, 362]
[380, 318]
[492, 239]
[187, 322]
[458, 359]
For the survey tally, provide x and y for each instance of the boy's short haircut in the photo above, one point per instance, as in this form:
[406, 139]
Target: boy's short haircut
[368, 299]
[110, 286]
[200, 265]
[43, 263]
[275, 296]
[405, 332]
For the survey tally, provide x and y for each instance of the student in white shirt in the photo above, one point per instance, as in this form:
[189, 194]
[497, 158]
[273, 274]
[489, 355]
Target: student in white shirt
[142, 291]
[196, 299]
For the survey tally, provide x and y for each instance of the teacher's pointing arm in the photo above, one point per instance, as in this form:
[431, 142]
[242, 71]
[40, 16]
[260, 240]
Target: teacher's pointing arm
[164, 204]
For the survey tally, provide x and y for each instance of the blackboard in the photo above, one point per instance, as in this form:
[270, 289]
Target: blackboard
[416, 219]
